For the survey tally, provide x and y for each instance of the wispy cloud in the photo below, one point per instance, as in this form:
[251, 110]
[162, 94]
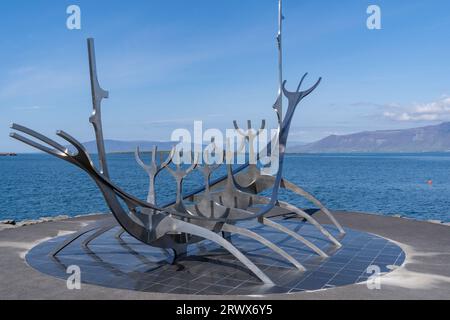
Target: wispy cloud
[28, 108]
[438, 110]
[24, 81]
[376, 105]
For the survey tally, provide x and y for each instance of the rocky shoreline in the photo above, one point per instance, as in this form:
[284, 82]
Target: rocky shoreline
[430, 221]
[10, 223]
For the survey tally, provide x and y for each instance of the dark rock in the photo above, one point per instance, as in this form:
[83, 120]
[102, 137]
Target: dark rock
[11, 222]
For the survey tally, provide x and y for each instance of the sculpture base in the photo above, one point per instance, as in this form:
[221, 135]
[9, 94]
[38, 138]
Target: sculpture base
[207, 269]
[424, 274]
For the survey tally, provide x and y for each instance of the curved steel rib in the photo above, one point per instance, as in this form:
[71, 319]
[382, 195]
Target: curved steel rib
[311, 220]
[181, 226]
[296, 189]
[253, 181]
[264, 241]
[294, 235]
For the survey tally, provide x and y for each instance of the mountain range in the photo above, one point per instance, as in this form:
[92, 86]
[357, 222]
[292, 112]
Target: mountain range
[434, 138]
[117, 146]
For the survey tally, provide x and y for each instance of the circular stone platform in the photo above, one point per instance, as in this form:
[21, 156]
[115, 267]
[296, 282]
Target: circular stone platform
[209, 270]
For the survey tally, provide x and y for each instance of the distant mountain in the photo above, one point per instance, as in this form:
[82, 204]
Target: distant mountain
[434, 138]
[294, 144]
[114, 146]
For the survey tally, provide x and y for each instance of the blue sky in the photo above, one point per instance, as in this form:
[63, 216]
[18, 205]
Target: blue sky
[168, 63]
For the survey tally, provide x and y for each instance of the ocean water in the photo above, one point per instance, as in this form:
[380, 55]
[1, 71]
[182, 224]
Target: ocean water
[37, 185]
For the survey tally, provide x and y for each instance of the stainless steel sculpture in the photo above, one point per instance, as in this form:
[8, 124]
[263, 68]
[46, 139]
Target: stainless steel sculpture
[217, 207]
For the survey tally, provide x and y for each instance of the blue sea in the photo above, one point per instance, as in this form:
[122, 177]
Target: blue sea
[37, 185]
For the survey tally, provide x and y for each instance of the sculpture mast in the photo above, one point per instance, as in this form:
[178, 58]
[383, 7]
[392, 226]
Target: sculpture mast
[280, 52]
[279, 103]
[98, 94]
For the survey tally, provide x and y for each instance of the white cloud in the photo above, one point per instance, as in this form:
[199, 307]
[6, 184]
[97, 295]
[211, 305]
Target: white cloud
[28, 108]
[376, 105]
[31, 81]
[438, 110]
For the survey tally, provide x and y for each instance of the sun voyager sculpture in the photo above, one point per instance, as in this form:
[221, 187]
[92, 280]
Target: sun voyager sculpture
[213, 211]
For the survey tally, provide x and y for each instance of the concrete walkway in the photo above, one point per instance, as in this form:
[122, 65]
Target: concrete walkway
[425, 274]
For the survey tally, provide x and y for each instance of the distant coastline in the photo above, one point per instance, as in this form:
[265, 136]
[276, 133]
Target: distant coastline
[435, 138]
[421, 140]
[8, 154]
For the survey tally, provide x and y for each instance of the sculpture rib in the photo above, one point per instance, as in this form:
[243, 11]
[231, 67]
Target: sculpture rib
[294, 235]
[250, 234]
[294, 188]
[311, 220]
[254, 180]
[178, 225]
